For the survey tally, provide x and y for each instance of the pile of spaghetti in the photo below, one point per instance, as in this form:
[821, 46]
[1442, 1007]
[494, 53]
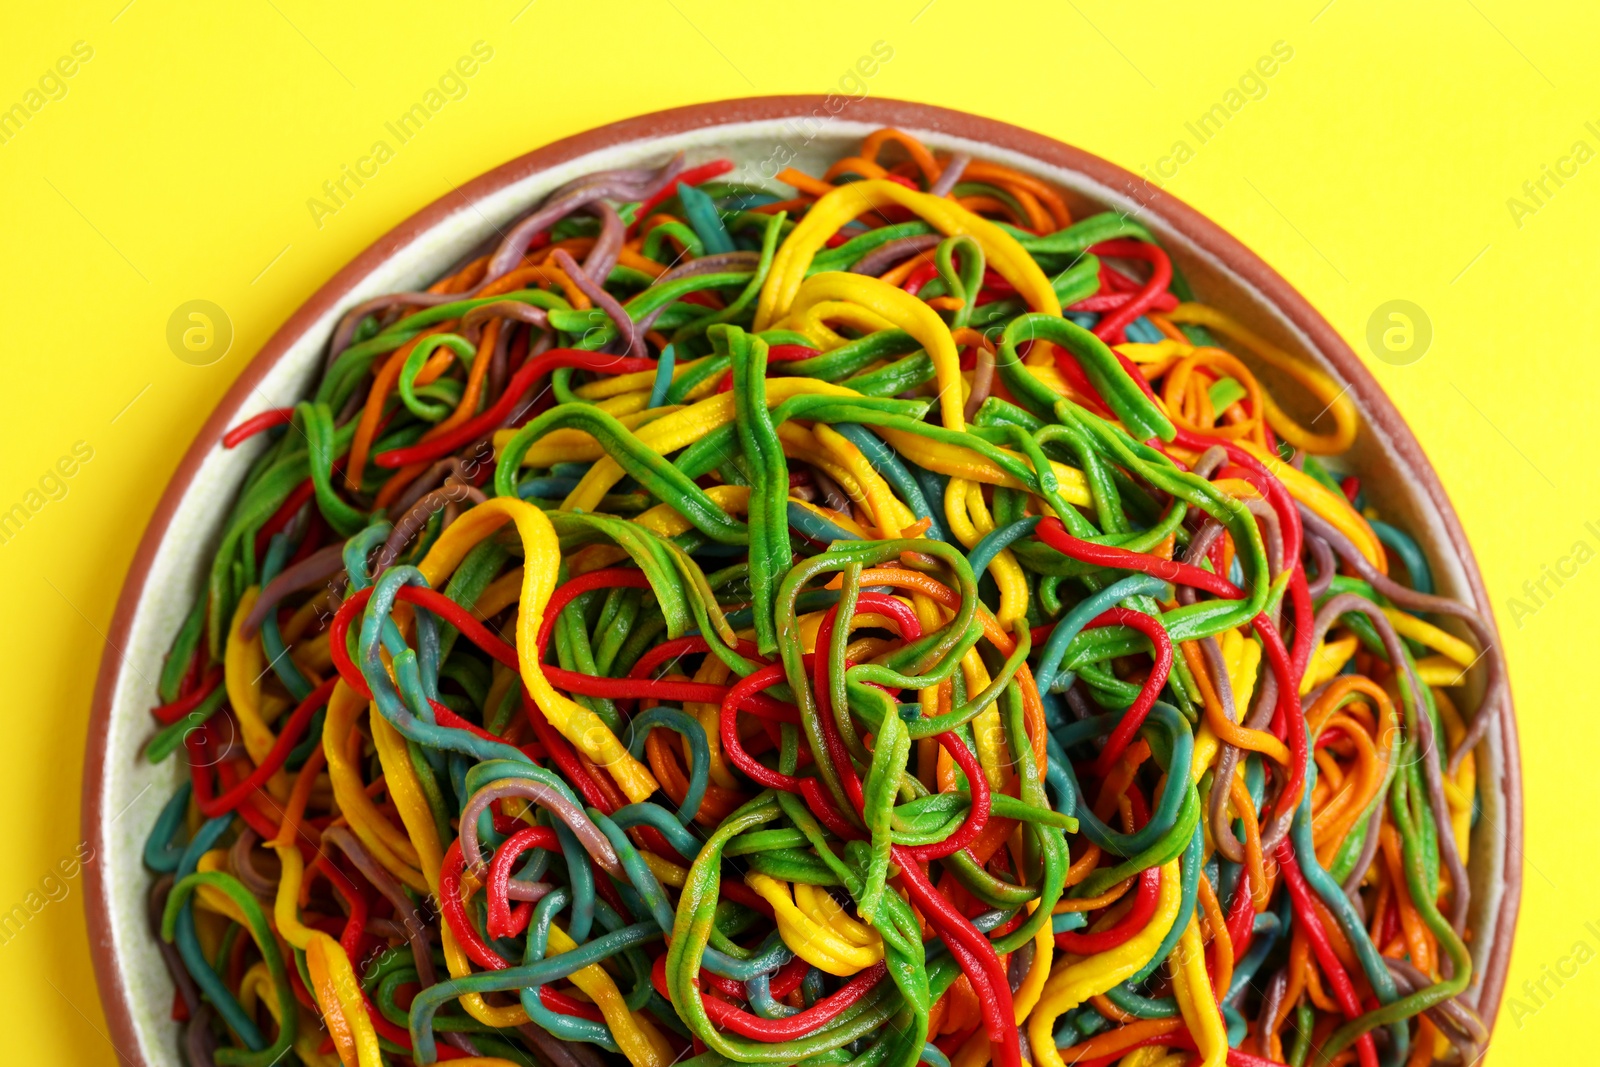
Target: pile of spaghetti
[885, 624]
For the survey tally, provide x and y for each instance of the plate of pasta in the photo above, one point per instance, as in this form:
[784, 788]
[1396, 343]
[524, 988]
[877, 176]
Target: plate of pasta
[885, 590]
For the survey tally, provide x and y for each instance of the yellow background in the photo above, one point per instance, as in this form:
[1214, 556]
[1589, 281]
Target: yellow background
[179, 162]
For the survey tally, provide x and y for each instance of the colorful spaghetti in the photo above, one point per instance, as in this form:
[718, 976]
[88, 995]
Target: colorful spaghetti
[886, 624]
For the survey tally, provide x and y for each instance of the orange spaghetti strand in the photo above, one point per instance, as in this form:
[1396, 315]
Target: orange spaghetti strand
[463, 279]
[1014, 181]
[1221, 942]
[1225, 728]
[383, 380]
[924, 159]
[804, 182]
[980, 205]
[1104, 900]
[295, 810]
[1418, 940]
[466, 409]
[1122, 1039]
[717, 804]
[1260, 879]
[862, 168]
[538, 272]
[1198, 416]
[1032, 706]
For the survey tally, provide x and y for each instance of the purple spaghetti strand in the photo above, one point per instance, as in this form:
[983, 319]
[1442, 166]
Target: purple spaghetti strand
[606, 185]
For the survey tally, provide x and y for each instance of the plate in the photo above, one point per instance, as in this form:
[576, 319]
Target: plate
[123, 793]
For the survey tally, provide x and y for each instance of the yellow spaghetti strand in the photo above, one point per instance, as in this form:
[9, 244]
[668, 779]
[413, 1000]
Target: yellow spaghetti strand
[255, 989]
[636, 1035]
[889, 514]
[819, 944]
[894, 307]
[975, 1051]
[541, 560]
[1320, 384]
[1198, 1004]
[681, 428]
[955, 461]
[1328, 505]
[844, 203]
[1077, 979]
[1425, 633]
[389, 845]
[244, 664]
